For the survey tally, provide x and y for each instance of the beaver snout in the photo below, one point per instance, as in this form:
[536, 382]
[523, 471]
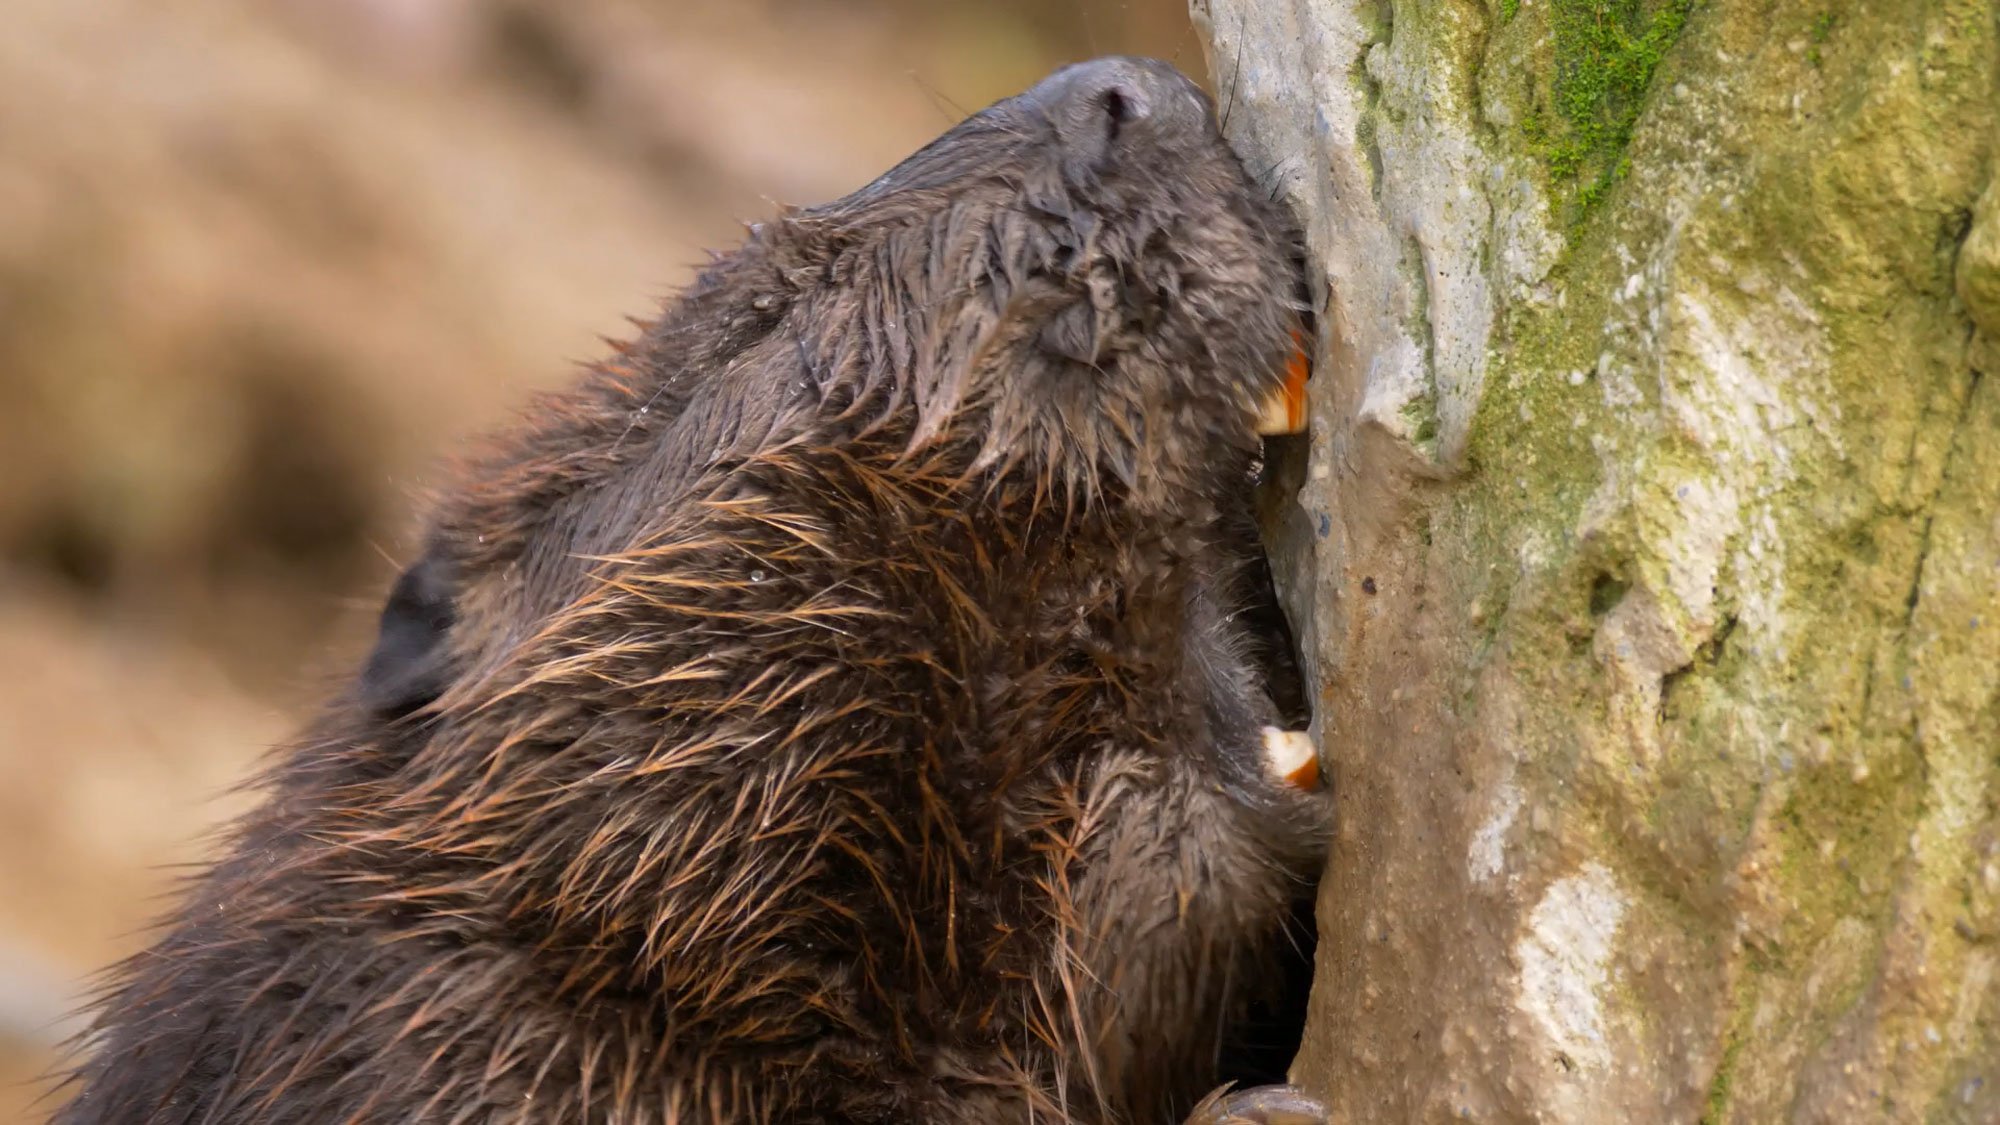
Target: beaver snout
[1098, 105]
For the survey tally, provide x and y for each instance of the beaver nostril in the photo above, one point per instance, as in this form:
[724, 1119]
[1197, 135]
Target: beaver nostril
[1121, 104]
[1101, 107]
[1118, 105]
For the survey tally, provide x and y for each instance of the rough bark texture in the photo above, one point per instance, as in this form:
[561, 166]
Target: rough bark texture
[1647, 549]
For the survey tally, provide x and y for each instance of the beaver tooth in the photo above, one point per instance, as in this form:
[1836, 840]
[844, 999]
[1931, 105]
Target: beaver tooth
[1290, 755]
[1285, 411]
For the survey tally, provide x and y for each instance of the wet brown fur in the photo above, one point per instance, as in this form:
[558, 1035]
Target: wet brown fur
[832, 709]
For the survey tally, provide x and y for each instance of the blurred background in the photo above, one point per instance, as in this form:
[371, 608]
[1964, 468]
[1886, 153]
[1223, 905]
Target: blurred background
[263, 263]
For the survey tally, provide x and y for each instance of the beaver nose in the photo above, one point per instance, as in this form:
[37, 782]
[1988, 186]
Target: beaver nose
[1099, 104]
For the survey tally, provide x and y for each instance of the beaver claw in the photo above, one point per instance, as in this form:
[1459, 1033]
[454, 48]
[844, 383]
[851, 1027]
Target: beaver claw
[1259, 1105]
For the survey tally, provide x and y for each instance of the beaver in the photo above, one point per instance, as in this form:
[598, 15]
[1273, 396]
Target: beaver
[837, 706]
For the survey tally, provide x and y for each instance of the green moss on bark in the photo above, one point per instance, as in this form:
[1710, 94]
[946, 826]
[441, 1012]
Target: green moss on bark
[1606, 52]
[1601, 62]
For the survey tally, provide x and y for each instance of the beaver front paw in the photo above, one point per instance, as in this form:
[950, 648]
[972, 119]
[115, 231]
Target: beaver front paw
[1259, 1105]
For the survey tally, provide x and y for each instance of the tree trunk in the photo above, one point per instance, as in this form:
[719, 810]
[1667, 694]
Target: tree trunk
[1645, 550]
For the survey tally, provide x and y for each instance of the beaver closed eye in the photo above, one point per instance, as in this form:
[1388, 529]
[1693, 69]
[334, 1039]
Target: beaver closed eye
[832, 709]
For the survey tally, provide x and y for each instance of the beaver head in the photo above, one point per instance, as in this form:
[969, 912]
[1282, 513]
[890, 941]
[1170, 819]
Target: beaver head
[1083, 276]
[1077, 290]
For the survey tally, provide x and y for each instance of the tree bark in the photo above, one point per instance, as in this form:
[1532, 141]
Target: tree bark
[1645, 549]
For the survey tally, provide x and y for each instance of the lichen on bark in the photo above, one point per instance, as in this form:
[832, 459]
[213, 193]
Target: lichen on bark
[1646, 549]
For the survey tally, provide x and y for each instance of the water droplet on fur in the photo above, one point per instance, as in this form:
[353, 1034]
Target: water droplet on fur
[756, 576]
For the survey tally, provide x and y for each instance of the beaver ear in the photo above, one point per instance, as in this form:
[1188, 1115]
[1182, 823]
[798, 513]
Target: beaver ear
[408, 668]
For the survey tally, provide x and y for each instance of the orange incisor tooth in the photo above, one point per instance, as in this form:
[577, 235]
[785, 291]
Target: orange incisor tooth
[1285, 411]
[1291, 755]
